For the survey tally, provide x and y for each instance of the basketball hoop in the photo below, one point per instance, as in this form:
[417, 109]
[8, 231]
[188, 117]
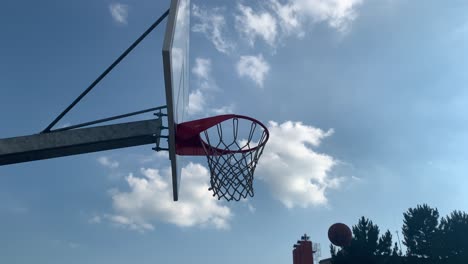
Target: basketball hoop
[232, 144]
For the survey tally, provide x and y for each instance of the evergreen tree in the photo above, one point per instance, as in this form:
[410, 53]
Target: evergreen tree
[453, 235]
[365, 238]
[426, 240]
[332, 251]
[384, 246]
[396, 250]
[420, 230]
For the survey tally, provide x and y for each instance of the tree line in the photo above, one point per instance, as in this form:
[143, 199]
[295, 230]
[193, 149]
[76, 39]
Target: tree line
[427, 238]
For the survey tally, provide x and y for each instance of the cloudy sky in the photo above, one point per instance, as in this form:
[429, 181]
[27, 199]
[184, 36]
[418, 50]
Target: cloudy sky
[366, 103]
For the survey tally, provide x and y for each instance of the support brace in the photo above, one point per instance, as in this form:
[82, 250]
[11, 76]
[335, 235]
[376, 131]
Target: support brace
[79, 141]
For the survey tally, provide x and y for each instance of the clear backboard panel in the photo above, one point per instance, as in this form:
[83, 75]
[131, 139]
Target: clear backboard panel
[176, 77]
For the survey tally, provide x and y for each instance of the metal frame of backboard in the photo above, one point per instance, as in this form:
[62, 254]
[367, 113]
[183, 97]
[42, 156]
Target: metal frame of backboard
[171, 85]
[81, 138]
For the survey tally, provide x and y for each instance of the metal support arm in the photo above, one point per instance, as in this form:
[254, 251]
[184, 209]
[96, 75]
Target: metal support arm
[79, 141]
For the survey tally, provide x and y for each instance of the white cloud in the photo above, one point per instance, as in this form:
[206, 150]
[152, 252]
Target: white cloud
[355, 178]
[96, 219]
[292, 17]
[212, 24]
[202, 68]
[296, 174]
[107, 162]
[150, 200]
[339, 14]
[289, 20]
[197, 106]
[253, 67]
[253, 25]
[205, 82]
[202, 73]
[252, 209]
[227, 109]
[119, 12]
[196, 103]
[130, 223]
[205, 85]
[178, 59]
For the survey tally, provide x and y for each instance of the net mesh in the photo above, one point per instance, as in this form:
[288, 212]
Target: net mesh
[232, 158]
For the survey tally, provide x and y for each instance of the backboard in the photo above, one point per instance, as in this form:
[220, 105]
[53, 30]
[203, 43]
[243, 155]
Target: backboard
[176, 77]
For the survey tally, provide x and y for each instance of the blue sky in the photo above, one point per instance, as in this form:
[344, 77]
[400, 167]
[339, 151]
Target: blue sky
[365, 101]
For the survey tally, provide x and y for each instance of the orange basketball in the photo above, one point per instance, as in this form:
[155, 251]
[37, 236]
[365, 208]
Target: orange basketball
[340, 235]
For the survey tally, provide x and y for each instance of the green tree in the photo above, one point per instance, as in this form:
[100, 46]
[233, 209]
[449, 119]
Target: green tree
[420, 230]
[384, 246]
[365, 238]
[396, 251]
[332, 251]
[453, 235]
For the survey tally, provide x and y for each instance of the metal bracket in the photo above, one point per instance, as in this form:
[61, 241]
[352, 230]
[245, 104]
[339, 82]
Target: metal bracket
[160, 114]
[160, 149]
[158, 140]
